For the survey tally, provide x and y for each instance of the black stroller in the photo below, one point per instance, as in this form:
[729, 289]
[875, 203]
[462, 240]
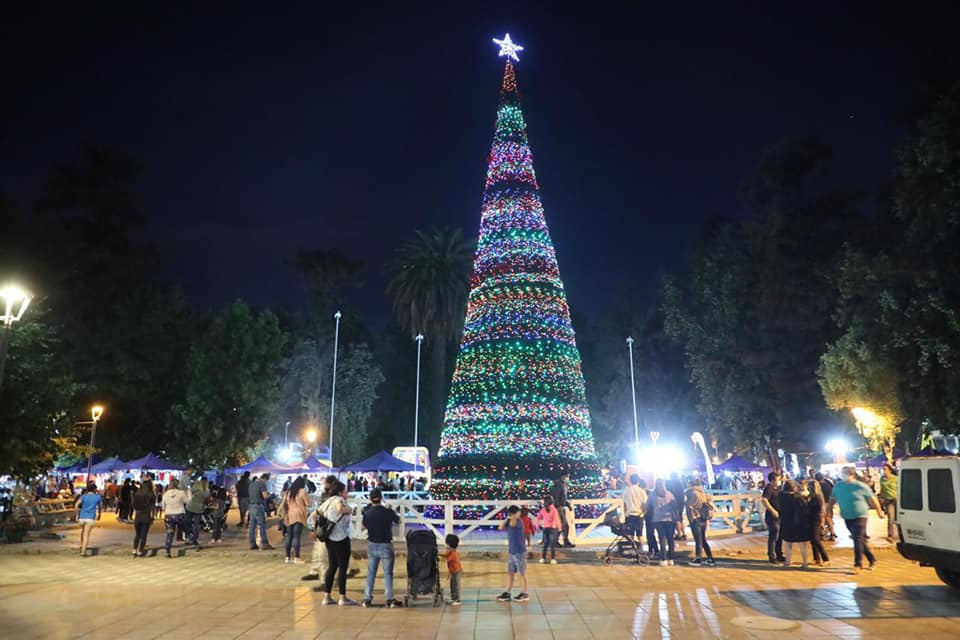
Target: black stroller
[624, 545]
[423, 569]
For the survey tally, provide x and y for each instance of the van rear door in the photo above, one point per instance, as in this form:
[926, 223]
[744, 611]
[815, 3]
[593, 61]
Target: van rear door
[941, 487]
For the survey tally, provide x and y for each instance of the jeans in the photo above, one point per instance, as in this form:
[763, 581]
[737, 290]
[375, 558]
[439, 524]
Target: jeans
[172, 523]
[293, 539]
[549, 542]
[651, 537]
[455, 584]
[634, 526]
[339, 553]
[219, 522]
[890, 508]
[377, 551]
[774, 541]
[699, 529]
[816, 542]
[858, 532]
[244, 504]
[140, 535]
[258, 519]
[665, 533]
[192, 526]
[565, 527]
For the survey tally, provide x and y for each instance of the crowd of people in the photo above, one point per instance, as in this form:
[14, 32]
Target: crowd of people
[797, 512]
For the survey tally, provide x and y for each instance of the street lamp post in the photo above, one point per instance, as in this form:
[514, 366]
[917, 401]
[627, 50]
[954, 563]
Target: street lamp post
[286, 435]
[95, 412]
[13, 302]
[416, 405]
[333, 384]
[633, 393]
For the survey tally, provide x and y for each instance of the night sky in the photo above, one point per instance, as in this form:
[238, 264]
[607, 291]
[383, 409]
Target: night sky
[266, 128]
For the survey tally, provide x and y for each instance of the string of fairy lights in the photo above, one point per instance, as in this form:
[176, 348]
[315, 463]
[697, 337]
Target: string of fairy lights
[517, 416]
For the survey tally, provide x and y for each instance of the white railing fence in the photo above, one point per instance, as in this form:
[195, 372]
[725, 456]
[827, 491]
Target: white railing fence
[735, 513]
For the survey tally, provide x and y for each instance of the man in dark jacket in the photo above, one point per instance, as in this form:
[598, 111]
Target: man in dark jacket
[243, 497]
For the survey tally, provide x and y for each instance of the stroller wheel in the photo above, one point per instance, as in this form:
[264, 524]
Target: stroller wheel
[607, 560]
[643, 559]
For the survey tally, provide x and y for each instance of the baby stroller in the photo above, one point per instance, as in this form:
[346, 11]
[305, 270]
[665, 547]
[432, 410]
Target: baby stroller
[624, 545]
[423, 570]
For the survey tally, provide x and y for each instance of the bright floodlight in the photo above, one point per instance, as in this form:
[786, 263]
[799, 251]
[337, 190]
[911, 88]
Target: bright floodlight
[836, 446]
[662, 460]
[508, 48]
[96, 411]
[311, 436]
[15, 301]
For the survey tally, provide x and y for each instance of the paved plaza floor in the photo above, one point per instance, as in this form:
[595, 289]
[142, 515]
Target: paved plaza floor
[255, 595]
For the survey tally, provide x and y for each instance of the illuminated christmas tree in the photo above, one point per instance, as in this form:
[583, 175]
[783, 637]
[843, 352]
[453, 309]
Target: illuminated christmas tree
[517, 415]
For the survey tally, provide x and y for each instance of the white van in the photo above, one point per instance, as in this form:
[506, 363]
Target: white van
[928, 516]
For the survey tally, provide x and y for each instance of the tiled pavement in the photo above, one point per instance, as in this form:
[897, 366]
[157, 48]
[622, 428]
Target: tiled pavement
[202, 595]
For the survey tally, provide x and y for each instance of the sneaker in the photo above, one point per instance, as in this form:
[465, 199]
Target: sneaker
[669, 563]
[142, 554]
[663, 563]
[394, 604]
[254, 547]
[553, 561]
[134, 554]
[287, 561]
[871, 566]
[696, 561]
[826, 563]
[454, 603]
[168, 555]
[326, 599]
[311, 576]
[266, 547]
[346, 602]
[711, 562]
[296, 561]
[504, 597]
[350, 572]
[366, 602]
[543, 560]
[522, 597]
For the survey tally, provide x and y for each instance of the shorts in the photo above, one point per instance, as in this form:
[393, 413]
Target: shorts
[86, 520]
[517, 563]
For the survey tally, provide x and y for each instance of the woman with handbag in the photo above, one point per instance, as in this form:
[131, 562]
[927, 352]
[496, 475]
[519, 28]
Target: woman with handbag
[699, 512]
[295, 519]
[336, 512]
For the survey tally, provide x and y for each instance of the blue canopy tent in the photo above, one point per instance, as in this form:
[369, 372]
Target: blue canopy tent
[264, 465]
[107, 466]
[153, 463]
[881, 459]
[737, 464]
[316, 466]
[382, 461]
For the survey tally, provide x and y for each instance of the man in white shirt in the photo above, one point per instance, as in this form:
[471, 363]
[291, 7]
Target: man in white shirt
[634, 505]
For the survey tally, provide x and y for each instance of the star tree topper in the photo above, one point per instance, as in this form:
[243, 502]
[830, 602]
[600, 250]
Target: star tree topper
[508, 48]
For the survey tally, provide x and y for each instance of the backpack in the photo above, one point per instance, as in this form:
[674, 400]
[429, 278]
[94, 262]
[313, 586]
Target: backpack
[324, 526]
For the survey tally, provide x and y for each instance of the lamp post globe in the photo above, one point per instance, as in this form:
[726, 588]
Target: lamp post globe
[14, 301]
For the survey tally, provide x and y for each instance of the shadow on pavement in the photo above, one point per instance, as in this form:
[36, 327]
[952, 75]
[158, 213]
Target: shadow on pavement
[852, 602]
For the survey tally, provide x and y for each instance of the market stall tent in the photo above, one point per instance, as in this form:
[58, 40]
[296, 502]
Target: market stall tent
[737, 464]
[382, 461]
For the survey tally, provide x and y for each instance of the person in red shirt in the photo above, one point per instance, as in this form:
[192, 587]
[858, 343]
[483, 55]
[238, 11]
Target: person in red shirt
[454, 567]
[528, 526]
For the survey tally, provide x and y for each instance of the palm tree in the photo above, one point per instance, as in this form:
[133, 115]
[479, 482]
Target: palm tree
[430, 283]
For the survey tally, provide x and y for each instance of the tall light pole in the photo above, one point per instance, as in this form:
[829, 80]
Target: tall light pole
[95, 412]
[416, 406]
[13, 302]
[286, 435]
[633, 393]
[333, 384]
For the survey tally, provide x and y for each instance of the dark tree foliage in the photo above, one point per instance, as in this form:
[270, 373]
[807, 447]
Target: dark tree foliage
[899, 305]
[752, 308]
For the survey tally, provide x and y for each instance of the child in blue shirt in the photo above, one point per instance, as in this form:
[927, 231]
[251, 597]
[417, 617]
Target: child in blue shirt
[90, 504]
[517, 555]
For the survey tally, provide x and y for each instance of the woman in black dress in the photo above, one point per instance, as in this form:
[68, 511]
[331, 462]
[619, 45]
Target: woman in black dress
[794, 521]
[817, 507]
